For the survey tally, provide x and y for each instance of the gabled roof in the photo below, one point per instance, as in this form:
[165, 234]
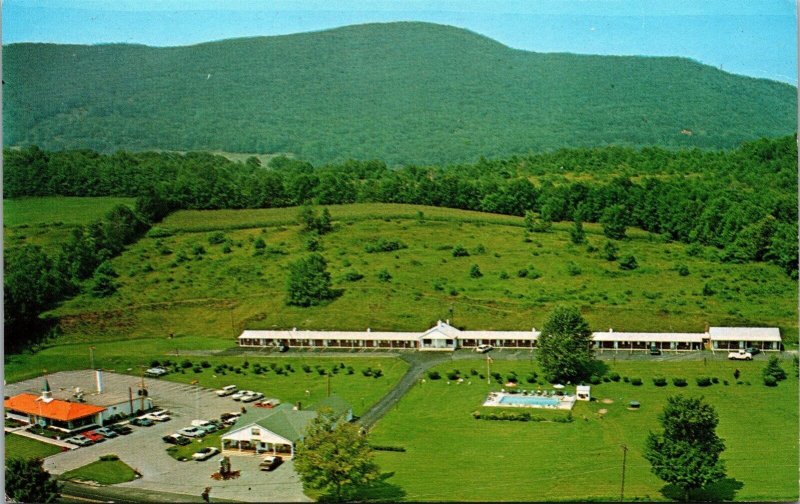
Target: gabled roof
[649, 337]
[55, 409]
[745, 333]
[281, 420]
[441, 330]
[339, 406]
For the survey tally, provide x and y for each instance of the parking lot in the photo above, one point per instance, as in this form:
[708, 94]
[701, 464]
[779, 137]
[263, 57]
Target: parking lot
[146, 453]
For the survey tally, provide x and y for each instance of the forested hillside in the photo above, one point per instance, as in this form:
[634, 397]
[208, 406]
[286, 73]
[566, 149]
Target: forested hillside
[402, 92]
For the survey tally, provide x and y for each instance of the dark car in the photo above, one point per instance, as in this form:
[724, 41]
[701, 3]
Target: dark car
[270, 463]
[176, 439]
[142, 422]
[752, 350]
[654, 350]
[122, 430]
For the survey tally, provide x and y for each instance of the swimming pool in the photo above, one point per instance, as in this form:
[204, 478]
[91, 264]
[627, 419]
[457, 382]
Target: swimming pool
[534, 401]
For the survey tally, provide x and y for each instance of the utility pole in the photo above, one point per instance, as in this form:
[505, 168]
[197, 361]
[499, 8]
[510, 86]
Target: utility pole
[624, 457]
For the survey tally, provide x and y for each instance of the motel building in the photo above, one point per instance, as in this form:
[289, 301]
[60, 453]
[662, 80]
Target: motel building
[276, 431]
[45, 411]
[444, 337]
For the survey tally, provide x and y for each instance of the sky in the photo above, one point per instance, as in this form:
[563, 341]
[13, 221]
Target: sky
[749, 37]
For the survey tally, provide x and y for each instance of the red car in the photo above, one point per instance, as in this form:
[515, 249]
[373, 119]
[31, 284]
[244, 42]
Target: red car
[92, 436]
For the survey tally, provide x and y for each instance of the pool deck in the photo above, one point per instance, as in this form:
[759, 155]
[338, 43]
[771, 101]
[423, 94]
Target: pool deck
[565, 402]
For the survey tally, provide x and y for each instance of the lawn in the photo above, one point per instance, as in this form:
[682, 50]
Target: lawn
[185, 452]
[104, 472]
[187, 285]
[48, 221]
[27, 448]
[452, 456]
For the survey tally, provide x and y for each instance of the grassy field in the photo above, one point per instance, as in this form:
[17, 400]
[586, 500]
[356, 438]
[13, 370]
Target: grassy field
[27, 448]
[47, 221]
[451, 456]
[104, 472]
[166, 285]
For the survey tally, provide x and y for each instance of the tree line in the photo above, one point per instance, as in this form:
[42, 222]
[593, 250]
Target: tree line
[741, 201]
[36, 281]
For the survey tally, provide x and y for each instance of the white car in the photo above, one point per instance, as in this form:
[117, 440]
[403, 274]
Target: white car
[254, 396]
[483, 348]
[740, 355]
[205, 453]
[242, 393]
[156, 372]
[158, 416]
[192, 432]
[226, 391]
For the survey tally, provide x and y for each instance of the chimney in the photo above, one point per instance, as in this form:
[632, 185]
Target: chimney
[447, 321]
[439, 323]
[98, 377]
[610, 330]
[369, 330]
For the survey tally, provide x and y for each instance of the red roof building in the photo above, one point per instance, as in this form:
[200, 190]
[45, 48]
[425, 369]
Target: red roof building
[56, 413]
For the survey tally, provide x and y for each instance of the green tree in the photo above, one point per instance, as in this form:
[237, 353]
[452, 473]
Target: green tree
[537, 223]
[774, 369]
[614, 220]
[309, 282]
[565, 346]
[687, 453]
[610, 251]
[577, 234]
[335, 458]
[628, 262]
[475, 271]
[27, 481]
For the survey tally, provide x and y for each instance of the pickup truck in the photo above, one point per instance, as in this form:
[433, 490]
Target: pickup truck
[740, 355]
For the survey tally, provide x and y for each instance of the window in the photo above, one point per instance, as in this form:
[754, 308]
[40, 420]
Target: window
[255, 432]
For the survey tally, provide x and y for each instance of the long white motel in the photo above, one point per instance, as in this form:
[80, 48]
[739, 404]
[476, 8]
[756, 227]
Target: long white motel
[444, 337]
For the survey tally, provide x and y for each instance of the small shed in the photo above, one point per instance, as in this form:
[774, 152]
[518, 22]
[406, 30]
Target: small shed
[583, 393]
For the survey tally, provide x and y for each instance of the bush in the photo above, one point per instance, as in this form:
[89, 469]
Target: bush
[703, 381]
[197, 369]
[636, 381]
[353, 276]
[614, 377]
[155, 363]
[260, 243]
[434, 375]
[384, 245]
[503, 275]
[475, 271]
[736, 374]
[660, 381]
[625, 379]
[594, 380]
[573, 269]
[384, 275]
[306, 368]
[770, 381]
[774, 369]
[715, 380]
[679, 382]
[387, 448]
[683, 270]
[377, 373]
[452, 375]
[606, 379]
[460, 251]
[628, 262]
[725, 382]
[216, 238]
[530, 378]
[350, 370]
[186, 364]
[109, 458]
[522, 273]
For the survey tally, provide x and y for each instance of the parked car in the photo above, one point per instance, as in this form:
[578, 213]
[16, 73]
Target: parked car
[159, 416]
[209, 427]
[176, 439]
[654, 350]
[752, 350]
[192, 432]
[156, 372]
[79, 440]
[483, 348]
[740, 355]
[267, 403]
[93, 436]
[205, 453]
[270, 463]
[252, 397]
[229, 418]
[142, 422]
[106, 432]
[122, 430]
[238, 395]
[226, 391]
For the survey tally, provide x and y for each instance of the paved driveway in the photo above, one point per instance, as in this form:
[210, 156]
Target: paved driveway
[144, 450]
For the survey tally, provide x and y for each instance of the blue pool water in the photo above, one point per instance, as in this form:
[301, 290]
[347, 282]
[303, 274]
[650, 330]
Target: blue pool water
[529, 400]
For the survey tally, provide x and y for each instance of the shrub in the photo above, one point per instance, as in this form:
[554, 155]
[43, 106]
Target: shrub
[628, 262]
[197, 369]
[384, 245]
[473, 372]
[503, 275]
[683, 270]
[736, 374]
[530, 378]
[384, 276]
[216, 238]
[625, 379]
[594, 379]
[350, 370]
[512, 378]
[774, 369]
[703, 381]
[245, 364]
[660, 381]
[715, 380]
[614, 377]
[522, 273]
[434, 375]
[606, 379]
[770, 381]
[679, 382]
[452, 375]
[306, 368]
[109, 458]
[353, 276]
[155, 363]
[573, 269]
[725, 382]
[387, 448]
[322, 372]
[460, 251]
[475, 271]
[186, 364]
[377, 373]
[260, 243]
[610, 251]
[636, 381]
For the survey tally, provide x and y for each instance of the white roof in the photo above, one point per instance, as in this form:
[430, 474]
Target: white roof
[744, 334]
[331, 335]
[649, 337]
[500, 335]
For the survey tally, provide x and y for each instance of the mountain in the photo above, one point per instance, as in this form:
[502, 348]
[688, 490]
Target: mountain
[401, 92]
